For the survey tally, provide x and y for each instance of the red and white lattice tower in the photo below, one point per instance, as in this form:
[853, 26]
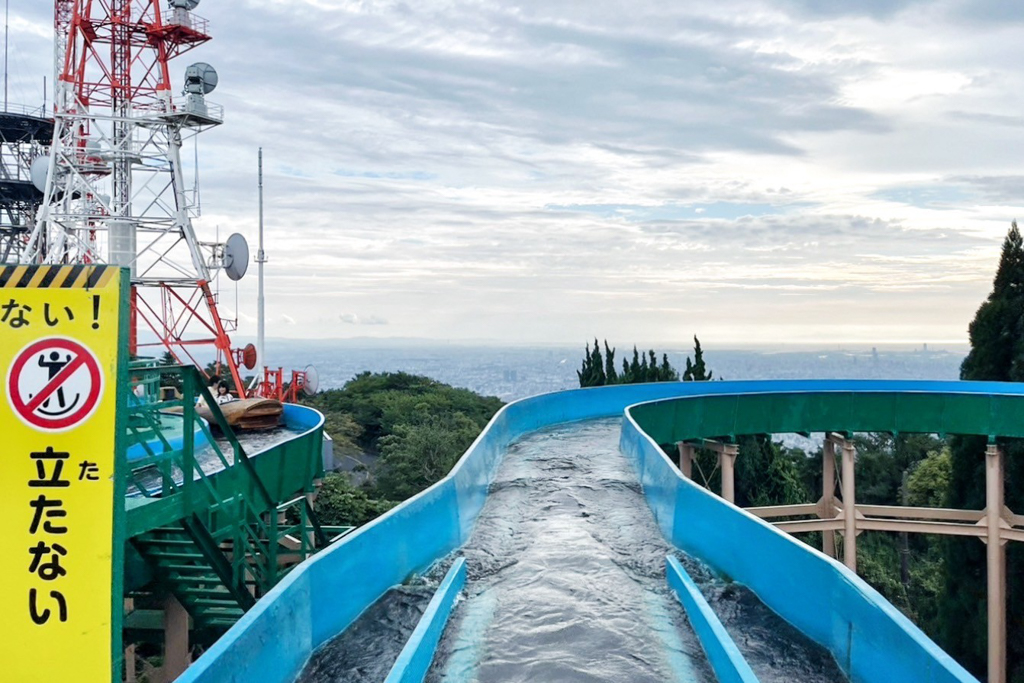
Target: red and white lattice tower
[115, 188]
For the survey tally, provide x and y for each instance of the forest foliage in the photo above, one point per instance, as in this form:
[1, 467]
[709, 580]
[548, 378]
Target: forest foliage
[416, 427]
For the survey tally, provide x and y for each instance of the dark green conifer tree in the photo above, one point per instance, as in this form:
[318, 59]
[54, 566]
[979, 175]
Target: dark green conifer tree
[997, 353]
[668, 373]
[611, 377]
[696, 371]
[592, 372]
[598, 364]
[635, 374]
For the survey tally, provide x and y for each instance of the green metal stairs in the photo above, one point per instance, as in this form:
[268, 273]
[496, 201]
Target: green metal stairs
[239, 542]
[191, 565]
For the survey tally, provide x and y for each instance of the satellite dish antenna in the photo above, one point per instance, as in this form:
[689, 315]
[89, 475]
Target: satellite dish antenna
[236, 257]
[184, 4]
[200, 79]
[38, 170]
[312, 382]
[249, 356]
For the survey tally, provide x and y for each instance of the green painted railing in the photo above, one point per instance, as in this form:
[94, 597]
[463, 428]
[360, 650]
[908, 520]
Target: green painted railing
[231, 508]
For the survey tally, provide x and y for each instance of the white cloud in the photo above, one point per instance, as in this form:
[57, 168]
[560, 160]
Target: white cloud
[539, 171]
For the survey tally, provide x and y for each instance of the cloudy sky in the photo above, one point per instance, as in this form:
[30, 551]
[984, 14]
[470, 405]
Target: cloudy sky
[753, 171]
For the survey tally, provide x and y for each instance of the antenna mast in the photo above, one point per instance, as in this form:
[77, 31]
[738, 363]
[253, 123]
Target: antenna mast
[261, 258]
[7, 33]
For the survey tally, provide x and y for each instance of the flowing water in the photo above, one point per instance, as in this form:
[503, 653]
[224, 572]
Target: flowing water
[567, 583]
[209, 460]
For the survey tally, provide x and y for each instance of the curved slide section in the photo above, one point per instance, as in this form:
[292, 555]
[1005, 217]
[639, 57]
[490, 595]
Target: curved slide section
[822, 598]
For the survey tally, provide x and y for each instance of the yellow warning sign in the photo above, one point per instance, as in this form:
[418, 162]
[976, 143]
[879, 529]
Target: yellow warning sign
[61, 342]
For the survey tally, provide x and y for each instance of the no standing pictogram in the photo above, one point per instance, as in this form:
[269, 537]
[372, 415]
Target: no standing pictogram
[54, 384]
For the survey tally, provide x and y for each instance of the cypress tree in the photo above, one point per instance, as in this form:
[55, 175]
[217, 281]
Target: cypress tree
[591, 373]
[611, 377]
[634, 367]
[598, 364]
[583, 374]
[696, 371]
[997, 353]
[668, 373]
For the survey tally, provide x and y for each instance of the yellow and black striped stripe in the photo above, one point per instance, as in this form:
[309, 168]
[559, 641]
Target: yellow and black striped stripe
[54, 277]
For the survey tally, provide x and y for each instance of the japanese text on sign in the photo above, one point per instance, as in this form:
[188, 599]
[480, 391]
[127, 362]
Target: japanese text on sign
[60, 339]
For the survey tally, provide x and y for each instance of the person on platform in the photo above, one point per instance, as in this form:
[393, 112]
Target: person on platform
[223, 395]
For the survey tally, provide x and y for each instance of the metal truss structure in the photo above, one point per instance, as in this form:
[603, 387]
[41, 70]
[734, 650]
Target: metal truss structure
[115, 188]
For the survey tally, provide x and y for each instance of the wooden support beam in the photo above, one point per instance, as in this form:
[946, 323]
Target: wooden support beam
[996, 565]
[176, 648]
[686, 452]
[828, 495]
[727, 460]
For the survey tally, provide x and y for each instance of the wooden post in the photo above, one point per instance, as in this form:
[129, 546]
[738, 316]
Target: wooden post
[849, 506]
[828, 494]
[176, 649]
[686, 459]
[727, 459]
[996, 565]
[129, 649]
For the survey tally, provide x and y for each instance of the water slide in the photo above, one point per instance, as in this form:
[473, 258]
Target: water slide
[550, 554]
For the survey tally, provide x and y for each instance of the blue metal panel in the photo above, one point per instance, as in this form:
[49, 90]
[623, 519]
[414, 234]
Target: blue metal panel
[414, 660]
[323, 596]
[723, 655]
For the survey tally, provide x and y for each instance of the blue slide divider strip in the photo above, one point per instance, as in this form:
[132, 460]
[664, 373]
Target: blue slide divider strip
[415, 658]
[723, 655]
[320, 598]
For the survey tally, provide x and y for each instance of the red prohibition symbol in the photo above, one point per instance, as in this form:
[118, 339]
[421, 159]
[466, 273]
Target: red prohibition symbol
[54, 384]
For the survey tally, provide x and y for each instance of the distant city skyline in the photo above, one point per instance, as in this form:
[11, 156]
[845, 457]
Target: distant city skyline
[755, 172]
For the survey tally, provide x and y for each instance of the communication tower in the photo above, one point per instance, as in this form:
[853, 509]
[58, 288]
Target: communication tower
[24, 136]
[115, 190]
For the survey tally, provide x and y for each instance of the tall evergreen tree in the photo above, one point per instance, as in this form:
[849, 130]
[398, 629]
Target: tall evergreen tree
[635, 374]
[598, 364]
[585, 371]
[668, 373]
[997, 353]
[592, 372]
[696, 371]
[611, 377]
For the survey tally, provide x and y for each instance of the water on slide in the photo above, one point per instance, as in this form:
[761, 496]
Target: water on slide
[567, 583]
[208, 460]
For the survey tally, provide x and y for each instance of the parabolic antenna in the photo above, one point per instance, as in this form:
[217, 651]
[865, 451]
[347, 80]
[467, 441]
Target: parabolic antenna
[38, 170]
[184, 4]
[236, 257]
[312, 381]
[249, 356]
[200, 79]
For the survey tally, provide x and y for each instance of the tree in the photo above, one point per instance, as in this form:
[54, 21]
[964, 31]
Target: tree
[929, 480]
[339, 503]
[611, 377]
[596, 371]
[592, 372]
[997, 353]
[415, 456]
[696, 371]
[667, 373]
